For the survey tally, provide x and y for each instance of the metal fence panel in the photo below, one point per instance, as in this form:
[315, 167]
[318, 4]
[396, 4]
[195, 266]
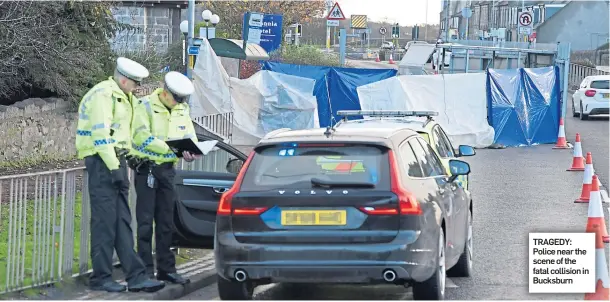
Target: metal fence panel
[38, 227]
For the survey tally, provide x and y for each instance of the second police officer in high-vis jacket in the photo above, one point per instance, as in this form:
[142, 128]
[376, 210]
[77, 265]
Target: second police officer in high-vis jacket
[163, 115]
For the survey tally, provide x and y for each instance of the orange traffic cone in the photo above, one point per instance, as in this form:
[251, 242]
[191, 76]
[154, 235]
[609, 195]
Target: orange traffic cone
[391, 61]
[596, 211]
[561, 137]
[602, 281]
[377, 59]
[578, 163]
[586, 182]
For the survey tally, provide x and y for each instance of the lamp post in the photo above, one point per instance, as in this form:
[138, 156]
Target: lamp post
[184, 28]
[207, 16]
[215, 20]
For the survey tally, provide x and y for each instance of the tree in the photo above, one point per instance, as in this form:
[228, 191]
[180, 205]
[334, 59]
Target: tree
[54, 48]
[232, 12]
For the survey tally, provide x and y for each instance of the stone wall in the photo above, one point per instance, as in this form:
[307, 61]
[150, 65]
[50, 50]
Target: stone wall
[36, 129]
[156, 26]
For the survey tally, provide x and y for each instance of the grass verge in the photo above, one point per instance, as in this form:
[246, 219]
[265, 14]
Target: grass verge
[35, 242]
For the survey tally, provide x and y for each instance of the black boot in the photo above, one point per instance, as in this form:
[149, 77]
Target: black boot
[173, 278]
[111, 286]
[148, 285]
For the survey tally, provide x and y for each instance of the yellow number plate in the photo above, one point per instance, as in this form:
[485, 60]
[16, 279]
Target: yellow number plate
[605, 95]
[318, 217]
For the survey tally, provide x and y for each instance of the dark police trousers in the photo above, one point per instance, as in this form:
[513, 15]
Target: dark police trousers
[111, 225]
[156, 204]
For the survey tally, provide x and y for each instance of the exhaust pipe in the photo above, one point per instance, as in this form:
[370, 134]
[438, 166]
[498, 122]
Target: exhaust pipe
[240, 275]
[389, 275]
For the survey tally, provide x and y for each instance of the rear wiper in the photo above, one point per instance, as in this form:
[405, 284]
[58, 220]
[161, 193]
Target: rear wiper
[316, 182]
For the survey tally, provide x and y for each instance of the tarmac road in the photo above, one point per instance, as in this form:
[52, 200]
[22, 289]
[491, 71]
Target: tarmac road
[515, 191]
[595, 137]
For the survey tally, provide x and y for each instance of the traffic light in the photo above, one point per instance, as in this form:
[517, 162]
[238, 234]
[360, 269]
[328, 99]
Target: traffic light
[396, 31]
[415, 32]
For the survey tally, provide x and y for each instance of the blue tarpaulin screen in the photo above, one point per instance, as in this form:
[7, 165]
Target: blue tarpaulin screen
[524, 105]
[337, 83]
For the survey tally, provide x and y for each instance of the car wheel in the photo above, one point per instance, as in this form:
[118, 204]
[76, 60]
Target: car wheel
[574, 113]
[583, 117]
[434, 287]
[463, 268]
[233, 290]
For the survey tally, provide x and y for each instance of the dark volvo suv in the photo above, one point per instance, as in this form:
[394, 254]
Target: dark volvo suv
[343, 205]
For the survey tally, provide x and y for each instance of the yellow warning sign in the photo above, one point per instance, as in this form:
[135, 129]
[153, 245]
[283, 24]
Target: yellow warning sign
[359, 21]
[191, 61]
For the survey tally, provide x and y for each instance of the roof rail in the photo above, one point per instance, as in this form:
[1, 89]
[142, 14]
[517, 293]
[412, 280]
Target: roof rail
[274, 132]
[386, 113]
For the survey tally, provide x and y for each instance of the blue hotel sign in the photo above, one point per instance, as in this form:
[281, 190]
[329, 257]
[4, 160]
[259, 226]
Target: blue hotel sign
[271, 32]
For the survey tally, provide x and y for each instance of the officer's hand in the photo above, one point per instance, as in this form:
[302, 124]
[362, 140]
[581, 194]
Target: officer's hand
[189, 157]
[117, 177]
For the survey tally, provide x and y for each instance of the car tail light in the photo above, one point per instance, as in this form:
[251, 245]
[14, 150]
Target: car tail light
[590, 93]
[379, 210]
[224, 206]
[407, 203]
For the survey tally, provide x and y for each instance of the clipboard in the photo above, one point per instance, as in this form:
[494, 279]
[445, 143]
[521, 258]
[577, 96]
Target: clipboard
[187, 144]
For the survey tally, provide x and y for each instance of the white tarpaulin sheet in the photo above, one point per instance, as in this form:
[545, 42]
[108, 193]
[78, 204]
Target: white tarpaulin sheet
[460, 100]
[262, 103]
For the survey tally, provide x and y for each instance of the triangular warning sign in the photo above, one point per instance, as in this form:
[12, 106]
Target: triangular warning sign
[335, 13]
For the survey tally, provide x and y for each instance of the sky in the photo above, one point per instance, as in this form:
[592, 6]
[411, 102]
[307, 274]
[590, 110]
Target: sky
[405, 12]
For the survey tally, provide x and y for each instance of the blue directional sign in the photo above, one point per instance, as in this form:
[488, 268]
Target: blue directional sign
[271, 32]
[193, 50]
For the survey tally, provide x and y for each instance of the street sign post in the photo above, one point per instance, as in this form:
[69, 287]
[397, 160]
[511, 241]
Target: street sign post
[358, 21]
[332, 22]
[383, 31]
[525, 24]
[335, 13]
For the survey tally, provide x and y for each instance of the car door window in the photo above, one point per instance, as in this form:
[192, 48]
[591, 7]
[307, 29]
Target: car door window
[445, 140]
[423, 159]
[600, 84]
[440, 145]
[413, 166]
[434, 166]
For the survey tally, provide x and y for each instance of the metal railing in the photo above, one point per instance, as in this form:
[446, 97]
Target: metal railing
[220, 124]
[579, 72]
[44, 226]
[45, 219]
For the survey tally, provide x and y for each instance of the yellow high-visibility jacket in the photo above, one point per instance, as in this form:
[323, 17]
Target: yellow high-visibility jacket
[104, 122]
[153, 124]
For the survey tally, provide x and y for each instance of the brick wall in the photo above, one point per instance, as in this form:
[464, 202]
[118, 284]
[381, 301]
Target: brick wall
[156, 27]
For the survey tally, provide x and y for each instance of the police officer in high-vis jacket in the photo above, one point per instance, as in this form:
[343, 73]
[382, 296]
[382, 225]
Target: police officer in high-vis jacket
[163, 115]
[103, 138]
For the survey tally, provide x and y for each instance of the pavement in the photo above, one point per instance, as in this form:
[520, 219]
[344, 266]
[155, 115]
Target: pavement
[516, 191]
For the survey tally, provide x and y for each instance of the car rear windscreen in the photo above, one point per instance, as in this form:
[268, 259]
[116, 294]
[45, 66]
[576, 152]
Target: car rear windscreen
[293, 167]
[600, 84]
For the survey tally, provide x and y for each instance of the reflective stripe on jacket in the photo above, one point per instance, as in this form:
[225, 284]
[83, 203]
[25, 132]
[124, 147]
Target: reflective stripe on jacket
[104, 120]
[153, 124]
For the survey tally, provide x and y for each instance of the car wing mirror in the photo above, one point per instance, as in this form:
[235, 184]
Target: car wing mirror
[457, 168]
[234, 165]
[465, 150]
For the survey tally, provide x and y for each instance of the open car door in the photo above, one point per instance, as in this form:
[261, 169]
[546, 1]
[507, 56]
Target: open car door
[198, 189]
